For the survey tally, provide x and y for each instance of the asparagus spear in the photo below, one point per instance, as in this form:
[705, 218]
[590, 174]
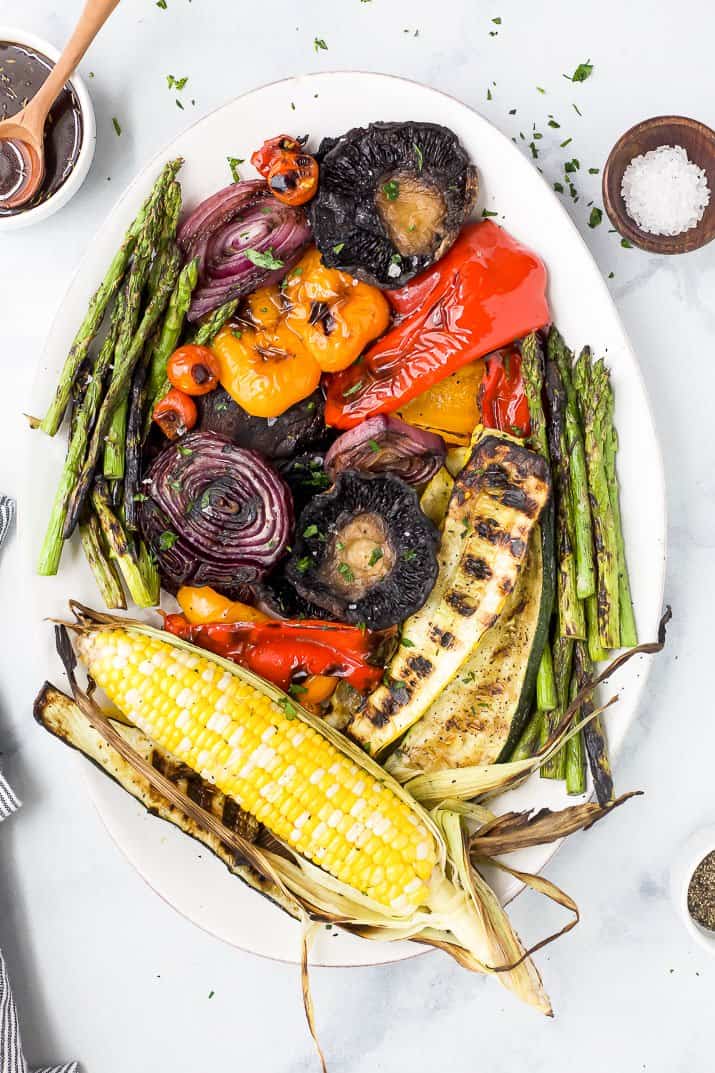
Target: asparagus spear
[596, 651]
[152, 243]
[83, 419]
[590, 380]
[121, 547]
[214, 322]
[572, 620]
[100, 301]
[575, 757]
[165, 343]
[532, 365]
[135, 435]
[578, 480]
[118, 388]
[104, 570]
[627, 621]
[530, 740]
[555, 767]
[594, 733]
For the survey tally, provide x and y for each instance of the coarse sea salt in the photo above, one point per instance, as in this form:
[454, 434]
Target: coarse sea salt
[665, 193]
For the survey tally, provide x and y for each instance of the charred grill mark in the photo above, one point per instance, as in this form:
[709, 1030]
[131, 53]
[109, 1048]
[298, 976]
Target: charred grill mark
[421, 666]
[443, 638]
[229, 813]
[517, 547]
[460, 602]
[519, 500]
[476, 567]
[489, 620]
[489, 529]
[506, 585]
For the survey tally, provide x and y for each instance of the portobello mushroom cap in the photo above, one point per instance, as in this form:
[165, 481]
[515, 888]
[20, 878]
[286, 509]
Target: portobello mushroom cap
[300, 428]
[392, 199]
[364, 551]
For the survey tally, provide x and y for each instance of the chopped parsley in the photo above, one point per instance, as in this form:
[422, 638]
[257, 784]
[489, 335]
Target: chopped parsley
[626, 244]
[296, 689]
[176, 83]
[391, 189]
[185, 451]
[487, 212]
[540, 89]
[595, 218]
[559, 188]
[352, 390]
[162, 4]
[374, 446]
[233, 163]
[577, 110]
[489, 94]
[553, 124]
[265, 259]
[408, 556]
[139, 497]
[179, 104]
[115, 124]
[289, 709]
[497, 20]
[512, 111]
[406, 642]
[311, 531]
[339, 247]
[582, 72]
[236, 333]
[303, 564]
[345, 572]
[375, 555]
[565, 143]
[319, 43]
[167, 539]
[593, 171]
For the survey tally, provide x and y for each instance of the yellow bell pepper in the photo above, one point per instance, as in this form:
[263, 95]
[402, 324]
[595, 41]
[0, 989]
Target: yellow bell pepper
[450, 406]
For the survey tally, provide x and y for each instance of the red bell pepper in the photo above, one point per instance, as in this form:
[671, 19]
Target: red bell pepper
[286, 652]
[487, 291]
[502, 401]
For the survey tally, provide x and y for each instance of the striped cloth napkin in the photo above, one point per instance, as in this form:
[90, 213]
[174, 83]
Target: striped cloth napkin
[12, 1059]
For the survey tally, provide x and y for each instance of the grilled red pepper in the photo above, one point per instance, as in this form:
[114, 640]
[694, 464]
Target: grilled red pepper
[285, 653]
[485, 292]
[502, 402]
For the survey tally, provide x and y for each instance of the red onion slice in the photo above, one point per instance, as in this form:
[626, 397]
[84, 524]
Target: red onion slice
[215, 514]
[384, 444]
[221, 231]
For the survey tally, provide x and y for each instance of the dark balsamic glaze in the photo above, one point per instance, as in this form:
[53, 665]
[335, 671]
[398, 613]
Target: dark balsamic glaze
[22, 72]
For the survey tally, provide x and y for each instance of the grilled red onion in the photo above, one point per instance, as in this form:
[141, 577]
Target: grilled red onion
[221, 231]
[384, 444]
[215, 514]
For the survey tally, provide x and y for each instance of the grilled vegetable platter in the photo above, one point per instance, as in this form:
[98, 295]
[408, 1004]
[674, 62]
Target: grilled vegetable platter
[359, 499]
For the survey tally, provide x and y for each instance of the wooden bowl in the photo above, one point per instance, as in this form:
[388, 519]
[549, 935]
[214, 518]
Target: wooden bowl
[698, 142]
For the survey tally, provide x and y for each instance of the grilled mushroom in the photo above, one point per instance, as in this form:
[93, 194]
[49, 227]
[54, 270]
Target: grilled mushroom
[392, 199]
[364, 551]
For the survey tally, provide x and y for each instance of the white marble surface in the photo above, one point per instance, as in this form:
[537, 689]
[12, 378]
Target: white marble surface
[103, 970]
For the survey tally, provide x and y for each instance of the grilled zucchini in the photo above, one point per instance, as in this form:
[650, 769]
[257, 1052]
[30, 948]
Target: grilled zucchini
[478, 717]
[496, 503]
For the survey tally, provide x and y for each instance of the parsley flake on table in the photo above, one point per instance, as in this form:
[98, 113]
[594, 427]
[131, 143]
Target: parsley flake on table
[265, 259]
[176, 83]
[497, 20]
[319, 43]
[582, 72]
[162, 4]
[115, 124]
[596, 217]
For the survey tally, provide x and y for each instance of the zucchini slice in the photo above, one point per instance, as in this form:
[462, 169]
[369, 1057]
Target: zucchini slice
[57, 713]
[496, 503]
[479, 716]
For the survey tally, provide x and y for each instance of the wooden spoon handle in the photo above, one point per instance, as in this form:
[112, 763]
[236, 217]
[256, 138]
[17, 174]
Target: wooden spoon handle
[91, 21]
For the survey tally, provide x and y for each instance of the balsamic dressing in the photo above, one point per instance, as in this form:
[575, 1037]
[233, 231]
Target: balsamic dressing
[22, 72]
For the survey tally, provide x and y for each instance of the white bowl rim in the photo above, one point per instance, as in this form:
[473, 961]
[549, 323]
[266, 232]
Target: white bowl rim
[695, 848]
[17, 36]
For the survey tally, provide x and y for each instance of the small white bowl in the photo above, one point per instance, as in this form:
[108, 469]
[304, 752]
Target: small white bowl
[78, 174]
[687, 860]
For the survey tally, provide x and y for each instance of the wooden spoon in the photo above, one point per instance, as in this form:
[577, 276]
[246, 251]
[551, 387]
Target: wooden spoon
[25, 131]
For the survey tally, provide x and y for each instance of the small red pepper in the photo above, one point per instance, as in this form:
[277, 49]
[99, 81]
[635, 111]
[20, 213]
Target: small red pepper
[502, 401]
[485, 292]
[287, 652]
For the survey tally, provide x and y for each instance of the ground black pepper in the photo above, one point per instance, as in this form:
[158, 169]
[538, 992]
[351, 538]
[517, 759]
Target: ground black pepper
[701, 893]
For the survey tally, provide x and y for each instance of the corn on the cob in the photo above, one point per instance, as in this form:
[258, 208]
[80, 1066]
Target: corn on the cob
[316, 800]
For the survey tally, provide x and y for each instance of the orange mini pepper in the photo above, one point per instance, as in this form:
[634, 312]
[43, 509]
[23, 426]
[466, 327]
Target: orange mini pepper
[202, 604]
[318, 320]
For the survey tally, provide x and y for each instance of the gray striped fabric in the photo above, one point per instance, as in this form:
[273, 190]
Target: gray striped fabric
[12, 1059]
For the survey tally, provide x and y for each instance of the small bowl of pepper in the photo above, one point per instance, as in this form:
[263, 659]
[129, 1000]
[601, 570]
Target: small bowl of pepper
[693, 887]
[70, 130]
